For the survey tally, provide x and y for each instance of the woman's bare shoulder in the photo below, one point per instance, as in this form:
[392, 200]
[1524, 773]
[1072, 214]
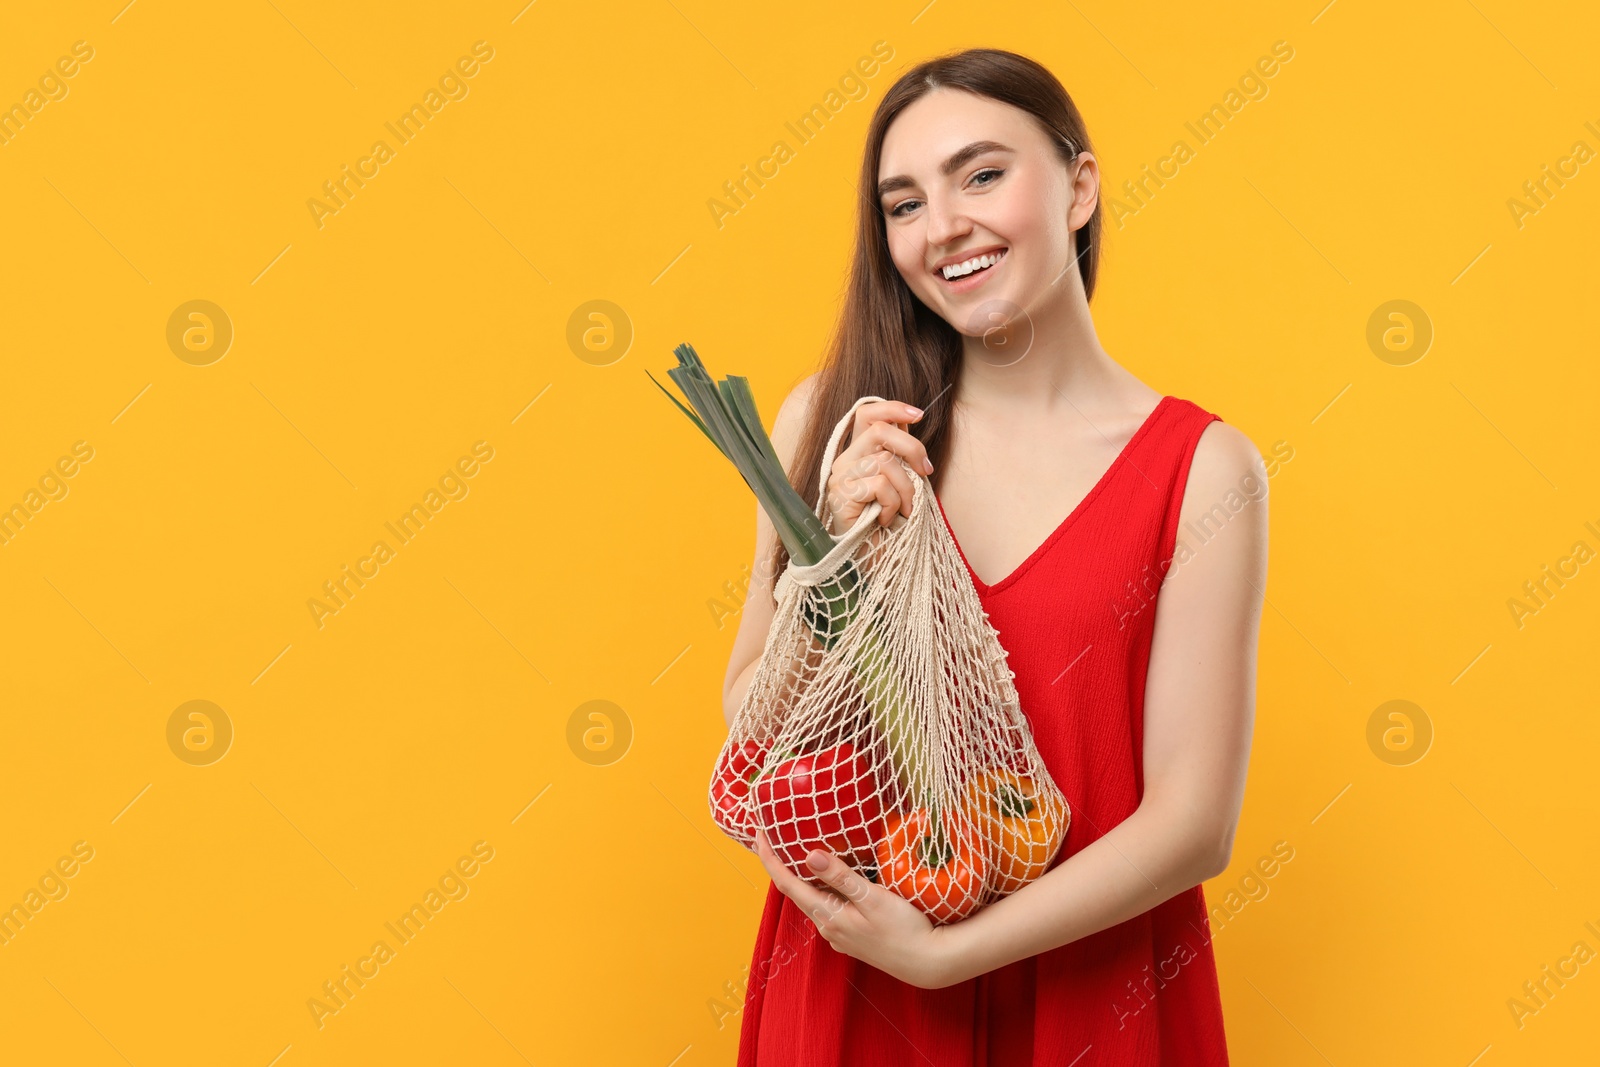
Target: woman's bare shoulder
[792, 416]
[1227, 480]
[1225, 454]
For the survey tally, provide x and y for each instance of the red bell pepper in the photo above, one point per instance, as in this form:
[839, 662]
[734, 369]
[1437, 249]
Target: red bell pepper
[826, 800]
[730, 790]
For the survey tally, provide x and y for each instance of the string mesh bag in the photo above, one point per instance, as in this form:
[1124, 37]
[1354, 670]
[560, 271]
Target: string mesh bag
[882, 723]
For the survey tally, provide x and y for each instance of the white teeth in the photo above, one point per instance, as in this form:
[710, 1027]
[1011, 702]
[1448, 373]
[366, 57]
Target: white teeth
[971, 265]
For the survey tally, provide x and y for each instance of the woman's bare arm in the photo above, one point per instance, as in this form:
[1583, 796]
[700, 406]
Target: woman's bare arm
[1199, 715]
[755, 619]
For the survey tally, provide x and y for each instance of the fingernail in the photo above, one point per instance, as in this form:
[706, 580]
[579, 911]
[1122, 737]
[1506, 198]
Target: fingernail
[913, 411]
[928, 463]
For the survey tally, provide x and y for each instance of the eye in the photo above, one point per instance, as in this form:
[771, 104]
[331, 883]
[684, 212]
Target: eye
[996, 171]
[896, 210]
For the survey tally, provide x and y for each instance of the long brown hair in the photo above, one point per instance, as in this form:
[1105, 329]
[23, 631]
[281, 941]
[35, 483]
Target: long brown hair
[887, 342]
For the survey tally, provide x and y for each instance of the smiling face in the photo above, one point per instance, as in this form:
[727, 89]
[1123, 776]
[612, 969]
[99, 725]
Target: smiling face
[978, 205]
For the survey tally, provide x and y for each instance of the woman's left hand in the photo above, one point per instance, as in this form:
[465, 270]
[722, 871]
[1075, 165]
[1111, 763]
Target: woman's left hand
[867, 921]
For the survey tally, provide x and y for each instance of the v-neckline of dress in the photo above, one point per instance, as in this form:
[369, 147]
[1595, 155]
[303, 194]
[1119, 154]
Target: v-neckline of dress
[985, 589]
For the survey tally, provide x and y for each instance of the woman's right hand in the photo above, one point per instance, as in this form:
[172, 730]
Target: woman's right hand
[868, 469]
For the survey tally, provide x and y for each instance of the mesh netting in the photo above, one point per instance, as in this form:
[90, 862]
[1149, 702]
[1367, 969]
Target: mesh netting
[882, 723]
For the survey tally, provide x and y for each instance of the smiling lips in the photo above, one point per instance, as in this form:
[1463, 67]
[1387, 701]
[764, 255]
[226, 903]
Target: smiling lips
[969, 273]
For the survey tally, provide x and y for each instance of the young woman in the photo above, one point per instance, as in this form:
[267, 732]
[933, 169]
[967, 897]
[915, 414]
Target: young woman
[1116, 537]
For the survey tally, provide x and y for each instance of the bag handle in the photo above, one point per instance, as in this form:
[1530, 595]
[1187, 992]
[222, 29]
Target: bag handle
[832, 451]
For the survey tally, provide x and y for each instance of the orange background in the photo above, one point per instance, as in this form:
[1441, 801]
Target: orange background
[445, 703]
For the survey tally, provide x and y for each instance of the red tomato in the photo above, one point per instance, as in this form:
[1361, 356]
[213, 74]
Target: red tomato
[730, 789]
[826, 800]
[939, 869]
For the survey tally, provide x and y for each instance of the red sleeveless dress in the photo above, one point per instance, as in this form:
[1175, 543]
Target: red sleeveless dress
[1076, 620]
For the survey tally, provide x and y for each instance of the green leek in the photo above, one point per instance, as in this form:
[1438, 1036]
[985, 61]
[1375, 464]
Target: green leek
[726, 413]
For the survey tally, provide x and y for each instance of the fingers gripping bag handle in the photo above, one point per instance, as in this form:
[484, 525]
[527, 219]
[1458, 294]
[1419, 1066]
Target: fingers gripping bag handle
[882, 723]
[848, 542]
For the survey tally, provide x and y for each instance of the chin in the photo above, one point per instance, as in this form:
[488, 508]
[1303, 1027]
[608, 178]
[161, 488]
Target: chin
[979, 314]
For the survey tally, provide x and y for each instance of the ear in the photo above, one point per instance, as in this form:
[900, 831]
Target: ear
[1086, 190]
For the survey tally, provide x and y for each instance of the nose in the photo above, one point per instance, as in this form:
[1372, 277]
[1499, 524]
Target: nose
[947, 223]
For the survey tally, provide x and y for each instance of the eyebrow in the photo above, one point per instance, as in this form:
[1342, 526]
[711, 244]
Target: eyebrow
[948, 167]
